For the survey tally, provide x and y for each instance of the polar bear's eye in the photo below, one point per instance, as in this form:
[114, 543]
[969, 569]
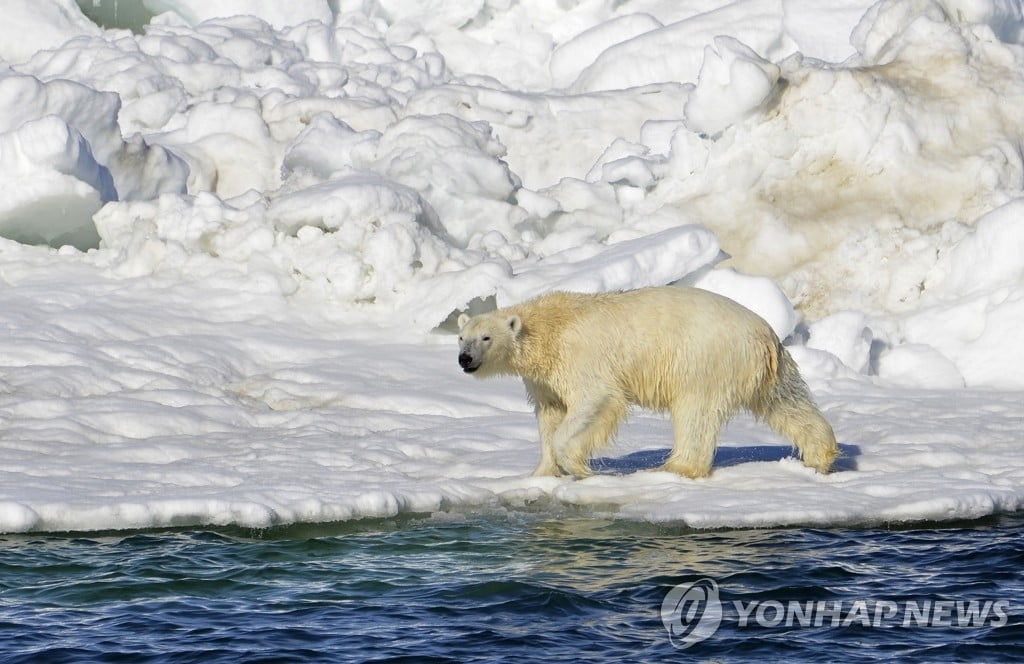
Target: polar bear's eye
[486, 339]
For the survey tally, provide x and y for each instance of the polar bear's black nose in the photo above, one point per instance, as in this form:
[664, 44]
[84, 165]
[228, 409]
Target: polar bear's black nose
[465, 359]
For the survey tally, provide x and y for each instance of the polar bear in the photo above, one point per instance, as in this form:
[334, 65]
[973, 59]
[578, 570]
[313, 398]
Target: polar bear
[585, 358]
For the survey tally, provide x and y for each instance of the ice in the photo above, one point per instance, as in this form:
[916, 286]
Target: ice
[974, 302]
[847, 336]
[680, 45]
[234, 241]
[30, 26]
[274, 13]
[62, 157]
[823, 32]
[240, 409]
[918, 365]
[52, 185]
[573, 56]
[758, 294]
[733, 81]
[989, 257]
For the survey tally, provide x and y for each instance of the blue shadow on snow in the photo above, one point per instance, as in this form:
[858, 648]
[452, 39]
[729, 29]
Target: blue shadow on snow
[724, 457]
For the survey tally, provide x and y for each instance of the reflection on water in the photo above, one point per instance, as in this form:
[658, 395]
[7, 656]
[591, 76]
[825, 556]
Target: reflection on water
[509, 585]
[125, 14]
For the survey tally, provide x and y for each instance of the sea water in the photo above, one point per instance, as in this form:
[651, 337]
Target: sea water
[514, 587]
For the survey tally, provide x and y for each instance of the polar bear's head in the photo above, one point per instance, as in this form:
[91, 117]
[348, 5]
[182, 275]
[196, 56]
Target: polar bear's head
[485, 342]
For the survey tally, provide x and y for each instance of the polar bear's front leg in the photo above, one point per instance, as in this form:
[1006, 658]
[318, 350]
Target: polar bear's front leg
[587, 426]
[549, 416]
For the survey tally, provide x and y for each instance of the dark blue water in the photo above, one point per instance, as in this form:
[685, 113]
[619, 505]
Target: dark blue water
[506, 587]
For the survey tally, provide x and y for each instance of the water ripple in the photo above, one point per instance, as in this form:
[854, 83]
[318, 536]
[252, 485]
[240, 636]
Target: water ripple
[509, 587]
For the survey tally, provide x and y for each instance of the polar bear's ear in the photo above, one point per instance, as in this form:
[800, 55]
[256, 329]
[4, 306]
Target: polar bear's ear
[463, 319]
[515, 323]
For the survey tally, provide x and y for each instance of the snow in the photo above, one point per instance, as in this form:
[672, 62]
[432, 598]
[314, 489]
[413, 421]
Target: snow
[733, 81]
[30, 27]
[233, 242]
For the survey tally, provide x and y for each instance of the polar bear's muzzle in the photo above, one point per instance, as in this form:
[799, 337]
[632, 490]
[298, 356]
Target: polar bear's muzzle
[467, 363]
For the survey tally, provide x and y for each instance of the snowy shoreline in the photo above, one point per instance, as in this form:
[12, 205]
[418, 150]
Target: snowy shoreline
[227, 417]
[226, 243]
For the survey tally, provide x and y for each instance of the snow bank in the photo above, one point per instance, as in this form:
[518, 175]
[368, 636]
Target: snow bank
[976, 302]
[29, 27]
[62, 156]
[51, 185]
[251, 218]
[274, 13]
[733, 81]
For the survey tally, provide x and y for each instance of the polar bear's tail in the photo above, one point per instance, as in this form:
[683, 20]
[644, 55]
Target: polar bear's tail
[790, 411]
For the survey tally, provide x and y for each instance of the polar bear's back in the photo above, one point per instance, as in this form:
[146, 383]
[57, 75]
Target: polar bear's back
[651, 342]
[649, 315]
